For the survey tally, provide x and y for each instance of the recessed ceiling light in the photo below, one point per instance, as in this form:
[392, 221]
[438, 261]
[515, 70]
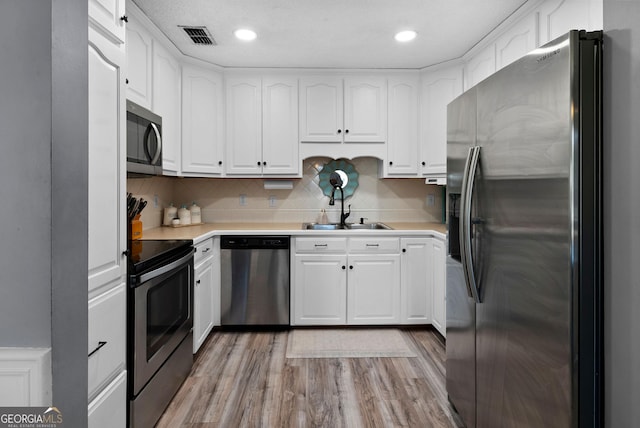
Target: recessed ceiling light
[245, 34]
[406, 36]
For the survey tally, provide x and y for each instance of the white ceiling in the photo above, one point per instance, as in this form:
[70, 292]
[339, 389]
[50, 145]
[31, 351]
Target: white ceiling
[330, 33]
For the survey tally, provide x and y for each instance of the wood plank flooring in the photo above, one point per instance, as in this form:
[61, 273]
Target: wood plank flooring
[242, 379]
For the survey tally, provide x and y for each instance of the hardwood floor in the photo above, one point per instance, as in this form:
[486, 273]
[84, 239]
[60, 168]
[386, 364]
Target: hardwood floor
[242, 379]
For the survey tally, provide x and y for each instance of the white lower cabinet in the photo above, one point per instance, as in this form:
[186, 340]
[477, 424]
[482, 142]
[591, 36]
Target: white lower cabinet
[109, 410]
[417, 281]
[360, 285]
[438, 272]
[206, 292]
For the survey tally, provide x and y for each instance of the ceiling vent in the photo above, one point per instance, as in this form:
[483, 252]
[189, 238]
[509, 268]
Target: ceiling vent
[199, 35]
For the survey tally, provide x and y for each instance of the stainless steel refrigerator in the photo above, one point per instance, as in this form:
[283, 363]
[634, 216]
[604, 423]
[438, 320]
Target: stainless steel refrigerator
[524, 265]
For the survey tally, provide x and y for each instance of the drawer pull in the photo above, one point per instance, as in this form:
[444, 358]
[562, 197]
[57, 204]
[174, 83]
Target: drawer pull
[100, 345]
[373, 245]
[206, 250]
[320, 245]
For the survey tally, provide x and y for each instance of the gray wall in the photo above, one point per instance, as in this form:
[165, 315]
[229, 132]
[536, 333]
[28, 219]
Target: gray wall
[69, 218]
[25, 174]
[43, 186]
[622, 212]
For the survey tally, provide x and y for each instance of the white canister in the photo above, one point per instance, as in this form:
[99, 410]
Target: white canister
[170, 213]
[196, 213]
[184, 215]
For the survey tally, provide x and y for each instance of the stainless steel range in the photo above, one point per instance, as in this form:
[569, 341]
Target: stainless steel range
[160, 320]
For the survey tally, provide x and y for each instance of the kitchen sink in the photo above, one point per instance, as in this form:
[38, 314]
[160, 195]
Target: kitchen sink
[348, 226]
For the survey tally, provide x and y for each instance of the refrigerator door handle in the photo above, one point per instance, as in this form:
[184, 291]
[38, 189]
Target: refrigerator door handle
[471, 166]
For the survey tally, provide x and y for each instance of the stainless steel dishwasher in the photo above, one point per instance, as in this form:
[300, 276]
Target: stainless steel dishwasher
[255, 280]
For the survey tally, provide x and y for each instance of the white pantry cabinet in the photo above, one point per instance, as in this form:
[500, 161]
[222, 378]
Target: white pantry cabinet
[438, 88]
[109, 17]
[166, 103]
[206, 294]
[402, 144]
[262, 126]
[349, 110]
[439, 280]
[107, 227]
[202, 122]
[417, 282]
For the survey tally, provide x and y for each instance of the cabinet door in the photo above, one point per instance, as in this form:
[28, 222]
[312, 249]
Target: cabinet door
[365, 110]
[107, 14]
[518, 41]
[244, 130]
[166, 103]
[202, 125]
[109, 409]
[480, 66]
[402, 145]
[416, 281]
[373, 290]
[280, 126]
[439, 88]
[107, 187]
[203, 301]
[438, 258]
[321, 110]
[139, 54]
[319, 290]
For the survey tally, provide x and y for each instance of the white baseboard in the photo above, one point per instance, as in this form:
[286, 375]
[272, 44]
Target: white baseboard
[25, 377]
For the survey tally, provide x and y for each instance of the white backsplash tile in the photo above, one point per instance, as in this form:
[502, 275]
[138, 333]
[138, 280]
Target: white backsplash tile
[390, 200]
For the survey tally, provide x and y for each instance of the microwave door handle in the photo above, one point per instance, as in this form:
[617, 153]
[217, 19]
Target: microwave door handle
[467, 259]
[156, 156]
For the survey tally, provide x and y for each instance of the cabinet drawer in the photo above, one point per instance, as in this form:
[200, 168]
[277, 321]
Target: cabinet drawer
[109, 409]
[374, 245]
[204, 250]
[321, 245]
[107, 338]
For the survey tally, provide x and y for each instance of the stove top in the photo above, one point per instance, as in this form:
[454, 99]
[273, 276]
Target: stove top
[144, 254]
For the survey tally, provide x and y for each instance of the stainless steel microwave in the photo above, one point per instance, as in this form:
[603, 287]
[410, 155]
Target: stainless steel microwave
[144, 141]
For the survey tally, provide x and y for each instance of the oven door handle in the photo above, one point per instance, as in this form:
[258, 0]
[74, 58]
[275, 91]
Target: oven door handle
[164, 269]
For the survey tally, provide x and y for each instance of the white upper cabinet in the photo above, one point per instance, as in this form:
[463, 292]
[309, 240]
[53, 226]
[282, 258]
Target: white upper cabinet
[139, 56]
[438, 88]
[365, 110]
[402, 144]
[107, 187]
[166, 103]
[480, 66]
[517, 41]
[244, 130]
[557, 17]
[202, 123]
[280, 126]
[109, 15]
[321, 109]
[262, 126]
[336, 110]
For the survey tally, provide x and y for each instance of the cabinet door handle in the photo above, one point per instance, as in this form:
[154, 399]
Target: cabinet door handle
[373, 245]
[404, 250]
[264, 163]
[344, 267]
[423, 163]
[100, 345]
[350, 266]
[346, 131]
[390, 163]
[320, 245]
[197, 282]
[219, 162]
[259, 163]
[124, 18]
[206, 250]
[339, 131]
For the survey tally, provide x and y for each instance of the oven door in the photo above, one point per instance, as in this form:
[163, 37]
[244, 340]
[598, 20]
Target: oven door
[162, 316]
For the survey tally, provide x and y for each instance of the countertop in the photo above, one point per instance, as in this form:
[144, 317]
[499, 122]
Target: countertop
[203, 231]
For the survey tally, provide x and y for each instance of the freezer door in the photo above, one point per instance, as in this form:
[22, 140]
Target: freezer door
[523, 325]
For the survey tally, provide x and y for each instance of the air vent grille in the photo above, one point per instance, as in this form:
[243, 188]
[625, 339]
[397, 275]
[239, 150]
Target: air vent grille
[199, 35]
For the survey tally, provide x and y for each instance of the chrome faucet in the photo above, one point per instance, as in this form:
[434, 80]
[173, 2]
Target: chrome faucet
[336, 183]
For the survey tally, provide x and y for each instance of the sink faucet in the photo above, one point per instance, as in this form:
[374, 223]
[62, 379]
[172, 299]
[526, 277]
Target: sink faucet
[336, 182]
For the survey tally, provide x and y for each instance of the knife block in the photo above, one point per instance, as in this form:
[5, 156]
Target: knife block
[136, 228]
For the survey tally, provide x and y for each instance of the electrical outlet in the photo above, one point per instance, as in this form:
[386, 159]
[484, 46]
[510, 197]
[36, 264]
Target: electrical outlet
[243, 200]
[155, 201]
[431, 200]
[272, 201]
